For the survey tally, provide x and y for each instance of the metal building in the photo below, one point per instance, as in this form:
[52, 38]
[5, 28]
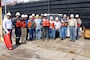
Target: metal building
[81, 7]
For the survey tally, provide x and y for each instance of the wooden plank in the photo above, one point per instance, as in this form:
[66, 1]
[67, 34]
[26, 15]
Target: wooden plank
[87, 33]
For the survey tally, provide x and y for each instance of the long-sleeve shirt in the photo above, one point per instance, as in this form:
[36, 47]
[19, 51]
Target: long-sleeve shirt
[38, 23]
[72, 22]
[7, 24]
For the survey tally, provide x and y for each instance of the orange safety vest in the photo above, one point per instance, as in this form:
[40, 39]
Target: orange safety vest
[52, 25]
[23, 24]
[18, 22]
[46, 23]
[30, 24]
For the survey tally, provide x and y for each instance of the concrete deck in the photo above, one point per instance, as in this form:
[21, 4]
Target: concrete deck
[48, 50]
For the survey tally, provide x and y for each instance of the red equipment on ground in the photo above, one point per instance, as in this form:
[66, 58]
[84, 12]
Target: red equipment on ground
[7, 41]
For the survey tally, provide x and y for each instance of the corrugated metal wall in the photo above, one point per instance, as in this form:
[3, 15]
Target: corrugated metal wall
[81, 7]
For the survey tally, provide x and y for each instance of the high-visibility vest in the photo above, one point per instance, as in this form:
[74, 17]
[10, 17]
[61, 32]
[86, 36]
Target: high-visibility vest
[45, 23]
[48, 23]
[52, 25]
[23, 24]
[30, 24]
[18, 23]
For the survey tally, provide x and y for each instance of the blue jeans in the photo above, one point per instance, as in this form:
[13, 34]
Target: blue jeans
[63, 31]
[51, 33]
[72, 33]
[38, 34]
[77, 32]
[31, 32]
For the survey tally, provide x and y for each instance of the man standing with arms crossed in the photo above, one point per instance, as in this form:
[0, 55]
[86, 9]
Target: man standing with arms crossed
[45, 27]
[16, 23]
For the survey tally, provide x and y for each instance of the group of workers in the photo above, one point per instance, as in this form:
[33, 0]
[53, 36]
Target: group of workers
[40, 27]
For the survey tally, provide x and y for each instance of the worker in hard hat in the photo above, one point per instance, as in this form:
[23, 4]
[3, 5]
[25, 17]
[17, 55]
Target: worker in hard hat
[57, 27]
[23, 29]
[45, 27]
[73, 26]
[42, 16]
[31, 26]
[7, 26]
[38, 27]
[26, 19]
[16, 23]
[64, 23]
[79, 22]
[52, 28]
[33, 16]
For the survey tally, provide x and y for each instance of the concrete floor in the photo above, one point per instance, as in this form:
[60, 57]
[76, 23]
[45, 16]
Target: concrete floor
[48, 50]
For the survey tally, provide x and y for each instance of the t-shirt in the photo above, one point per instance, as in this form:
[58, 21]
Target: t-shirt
[57, 25]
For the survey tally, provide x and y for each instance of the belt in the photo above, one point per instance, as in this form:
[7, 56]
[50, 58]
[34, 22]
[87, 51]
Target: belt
[72, 26]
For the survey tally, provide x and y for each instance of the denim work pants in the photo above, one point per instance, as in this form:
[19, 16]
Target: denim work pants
[31, 32]
[51, 33]
[72, 33]
[38, 34]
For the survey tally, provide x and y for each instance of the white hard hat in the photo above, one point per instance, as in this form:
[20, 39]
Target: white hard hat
[76, 15]
[64, 15]
[51, 17]
[72, 15]
[45, 14]
[18, 13]
[9, 13]
[30, 16]
[33, 14]
[42, 14]
[56, 18]
[37, 15]
[22, 15]
[26, 15]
